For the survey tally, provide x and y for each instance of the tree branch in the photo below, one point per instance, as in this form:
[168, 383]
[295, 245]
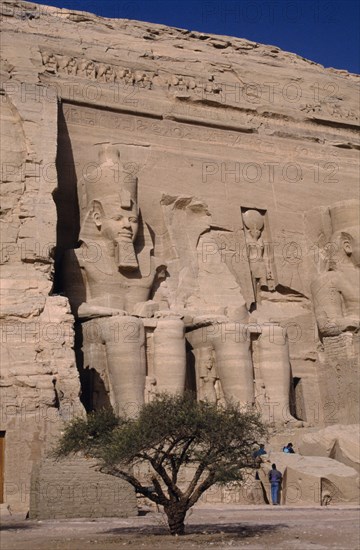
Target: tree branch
[162, 498]
[201, 489]
[170, 448]
[195, 479]
[145, 491]
[173, 489]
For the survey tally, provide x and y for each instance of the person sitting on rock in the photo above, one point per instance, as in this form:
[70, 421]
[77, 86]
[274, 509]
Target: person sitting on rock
[260, 451]
[289, 448]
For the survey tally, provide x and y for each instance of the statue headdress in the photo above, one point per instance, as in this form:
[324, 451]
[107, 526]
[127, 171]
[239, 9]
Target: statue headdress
[107, 183]
[345, 222]
[345, 215]
[253, 219]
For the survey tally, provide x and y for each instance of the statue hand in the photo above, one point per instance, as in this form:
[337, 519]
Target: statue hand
[335, 327]
[120, 312]
[145, 309]
[349, 323]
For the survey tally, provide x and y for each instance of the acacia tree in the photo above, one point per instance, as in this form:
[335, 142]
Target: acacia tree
[170, 434]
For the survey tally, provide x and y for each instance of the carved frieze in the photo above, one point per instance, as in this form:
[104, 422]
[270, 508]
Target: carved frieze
[64, 65]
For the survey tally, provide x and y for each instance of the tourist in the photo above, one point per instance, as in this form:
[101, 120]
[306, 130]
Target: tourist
[275, 478]
[260, 451]
[289, 448]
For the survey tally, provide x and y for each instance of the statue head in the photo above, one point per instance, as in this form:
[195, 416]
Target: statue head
[345, 239]
[111, 208]
[114, 222]
[254, 222]
[117, 226]
[349, 243]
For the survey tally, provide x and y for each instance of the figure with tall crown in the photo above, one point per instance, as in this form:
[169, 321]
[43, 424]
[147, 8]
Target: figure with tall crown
[109, 280]
[336, 293]
[336, 300]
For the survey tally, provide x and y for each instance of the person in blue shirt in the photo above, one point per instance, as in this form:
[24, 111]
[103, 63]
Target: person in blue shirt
[260, 451]
[275, 478]
[289, 448]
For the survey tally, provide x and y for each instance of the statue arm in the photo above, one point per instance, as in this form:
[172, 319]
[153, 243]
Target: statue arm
[76, 290]
[329, 308]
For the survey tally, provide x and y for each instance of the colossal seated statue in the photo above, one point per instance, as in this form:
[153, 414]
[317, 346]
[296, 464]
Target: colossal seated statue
[336, 300]
[109, 279]
[205, 288]
[336, 293]
[133, 309]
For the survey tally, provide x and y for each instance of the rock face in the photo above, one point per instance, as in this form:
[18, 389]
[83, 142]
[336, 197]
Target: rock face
[179, 210]
[338, 442]
[313, 480]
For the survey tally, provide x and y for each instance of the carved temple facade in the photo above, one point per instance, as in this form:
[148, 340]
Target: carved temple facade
[179, 211]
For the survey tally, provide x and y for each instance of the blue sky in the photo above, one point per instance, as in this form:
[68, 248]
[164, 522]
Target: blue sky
[326, 31]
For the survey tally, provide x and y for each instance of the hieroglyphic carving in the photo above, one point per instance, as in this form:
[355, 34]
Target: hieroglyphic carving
[84, 116]
[182, 85]
[91, 70]
[330, 109]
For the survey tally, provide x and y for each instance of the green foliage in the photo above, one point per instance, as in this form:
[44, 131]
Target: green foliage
[170, 433]
[88, 435]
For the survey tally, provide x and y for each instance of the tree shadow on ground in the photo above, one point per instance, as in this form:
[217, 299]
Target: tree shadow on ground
[235, 530]
[15, 526]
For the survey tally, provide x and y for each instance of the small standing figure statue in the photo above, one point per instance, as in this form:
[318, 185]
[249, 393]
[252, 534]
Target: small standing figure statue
[260, 267]
[208, 378]
[150, 388]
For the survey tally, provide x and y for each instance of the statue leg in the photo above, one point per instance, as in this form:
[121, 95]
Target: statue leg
[233, 363]
[124, 338]
[170, 356]
[273, 354]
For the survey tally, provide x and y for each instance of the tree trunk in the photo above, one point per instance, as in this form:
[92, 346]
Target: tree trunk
[176, 516]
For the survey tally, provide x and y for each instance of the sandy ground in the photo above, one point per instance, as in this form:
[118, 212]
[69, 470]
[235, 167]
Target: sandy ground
[208, 527]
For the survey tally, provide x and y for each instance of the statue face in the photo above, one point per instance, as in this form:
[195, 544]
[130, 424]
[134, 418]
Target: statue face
[255, 233]
[122, 226]
[356, 253]
[352, 249]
